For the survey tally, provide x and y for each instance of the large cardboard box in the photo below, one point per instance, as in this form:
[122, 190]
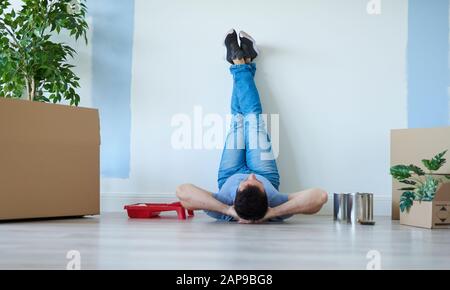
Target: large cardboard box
[410, 146]
[49, 160]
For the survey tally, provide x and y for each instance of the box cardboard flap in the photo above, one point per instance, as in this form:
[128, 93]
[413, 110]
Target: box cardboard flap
[443, 193]
[35, 123]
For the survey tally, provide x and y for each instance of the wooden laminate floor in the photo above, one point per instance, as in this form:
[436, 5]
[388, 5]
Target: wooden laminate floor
[113, 241]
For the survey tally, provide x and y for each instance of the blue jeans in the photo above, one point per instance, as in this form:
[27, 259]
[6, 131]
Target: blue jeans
[248, 148]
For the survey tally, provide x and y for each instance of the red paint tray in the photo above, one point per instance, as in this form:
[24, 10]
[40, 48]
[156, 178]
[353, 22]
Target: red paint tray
[153, 210]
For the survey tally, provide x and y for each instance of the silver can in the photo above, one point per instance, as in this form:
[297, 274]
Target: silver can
[364, 208]
[343, 207]
[353, 208]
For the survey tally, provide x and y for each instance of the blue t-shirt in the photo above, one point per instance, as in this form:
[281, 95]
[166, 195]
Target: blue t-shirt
[227, 194]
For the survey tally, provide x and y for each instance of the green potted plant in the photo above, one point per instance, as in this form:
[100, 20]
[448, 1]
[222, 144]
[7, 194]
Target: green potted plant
[32, 63]
[421, 190]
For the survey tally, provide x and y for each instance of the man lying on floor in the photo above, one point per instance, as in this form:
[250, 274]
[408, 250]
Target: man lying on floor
[248, 175]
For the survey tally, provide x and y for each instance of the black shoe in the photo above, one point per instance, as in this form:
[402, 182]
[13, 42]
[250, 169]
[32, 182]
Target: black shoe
[248, 45]
[232, 46]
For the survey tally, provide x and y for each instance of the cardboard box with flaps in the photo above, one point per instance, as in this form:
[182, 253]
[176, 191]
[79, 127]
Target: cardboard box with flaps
[430, 214]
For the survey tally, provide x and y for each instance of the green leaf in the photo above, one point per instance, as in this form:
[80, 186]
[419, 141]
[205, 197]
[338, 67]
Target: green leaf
[407, 200]
[407, 188]
[427, 191]
[417, 170]
[402, 207]
[400, 172]
[436, 163]
[409, 182]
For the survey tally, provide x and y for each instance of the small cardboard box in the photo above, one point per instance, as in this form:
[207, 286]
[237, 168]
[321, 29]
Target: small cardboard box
[411, 146]
[49, 160]
[430, 214]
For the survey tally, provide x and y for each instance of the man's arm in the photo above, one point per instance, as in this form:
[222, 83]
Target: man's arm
[195, 198]
[308, 201]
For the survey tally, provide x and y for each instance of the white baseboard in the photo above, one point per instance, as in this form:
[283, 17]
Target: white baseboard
[382, 205]
[111, 202]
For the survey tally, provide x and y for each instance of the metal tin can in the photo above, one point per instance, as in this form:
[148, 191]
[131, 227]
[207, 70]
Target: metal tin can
[353, 208]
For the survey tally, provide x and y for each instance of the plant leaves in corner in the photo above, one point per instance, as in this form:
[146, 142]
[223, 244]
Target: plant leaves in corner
[436, 163]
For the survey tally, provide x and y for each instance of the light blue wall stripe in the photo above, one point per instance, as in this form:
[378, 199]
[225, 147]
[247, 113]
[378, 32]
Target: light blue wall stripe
[428, 70]
[113, 25]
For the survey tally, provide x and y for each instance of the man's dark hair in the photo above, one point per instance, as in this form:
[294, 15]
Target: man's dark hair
[251, 203]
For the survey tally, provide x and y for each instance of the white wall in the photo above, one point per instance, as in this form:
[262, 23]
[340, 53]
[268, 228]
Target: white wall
[83, 63]
[335, 74]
